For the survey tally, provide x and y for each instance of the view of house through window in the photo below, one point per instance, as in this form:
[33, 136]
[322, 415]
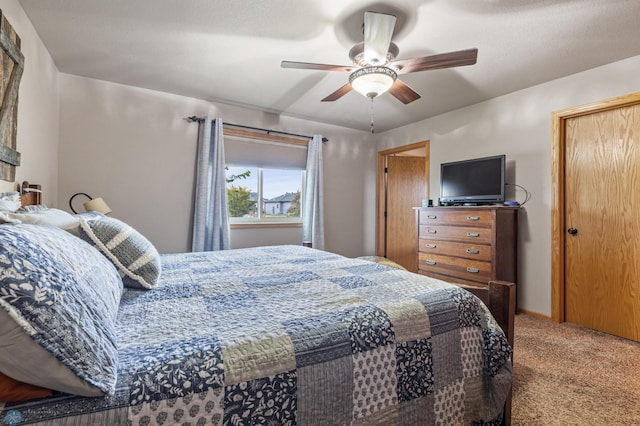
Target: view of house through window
[260, 194]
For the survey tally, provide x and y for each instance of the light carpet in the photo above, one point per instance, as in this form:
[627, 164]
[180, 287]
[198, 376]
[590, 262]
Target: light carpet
[565, 374]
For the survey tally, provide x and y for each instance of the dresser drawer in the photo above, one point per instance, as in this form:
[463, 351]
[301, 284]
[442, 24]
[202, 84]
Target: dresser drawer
[450, 248]
[467, 269]
[454, 216]
[456, 233]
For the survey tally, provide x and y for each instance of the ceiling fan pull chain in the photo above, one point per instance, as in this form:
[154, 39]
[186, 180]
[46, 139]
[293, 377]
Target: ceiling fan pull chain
[372, 115]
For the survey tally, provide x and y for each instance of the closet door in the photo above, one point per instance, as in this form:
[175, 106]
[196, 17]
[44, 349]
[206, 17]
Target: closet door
[406, 187]
[602, 221]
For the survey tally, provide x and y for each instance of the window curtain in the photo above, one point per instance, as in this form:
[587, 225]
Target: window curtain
[312, 204]
[211, 212]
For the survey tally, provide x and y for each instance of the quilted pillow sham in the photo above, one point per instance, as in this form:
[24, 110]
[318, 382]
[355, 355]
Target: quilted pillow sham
[59, 299]
[135, 257]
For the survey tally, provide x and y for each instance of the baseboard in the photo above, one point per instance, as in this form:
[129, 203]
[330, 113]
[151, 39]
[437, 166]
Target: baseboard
[534, 314]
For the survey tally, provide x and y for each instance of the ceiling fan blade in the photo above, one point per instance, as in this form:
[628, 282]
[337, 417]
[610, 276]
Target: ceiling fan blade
[442, 60]
[338, 93]
[312, 66]
[378, 29]
[403, 93]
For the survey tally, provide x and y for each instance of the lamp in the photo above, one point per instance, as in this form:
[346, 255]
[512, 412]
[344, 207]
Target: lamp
[94, 204]
[372, 81]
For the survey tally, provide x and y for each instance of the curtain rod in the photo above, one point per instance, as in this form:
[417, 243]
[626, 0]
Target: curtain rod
[193, 118]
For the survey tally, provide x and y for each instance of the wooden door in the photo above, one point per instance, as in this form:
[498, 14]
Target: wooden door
[406, 187]
[602, 221]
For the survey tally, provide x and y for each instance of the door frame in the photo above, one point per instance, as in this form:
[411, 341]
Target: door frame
[558, 220]
[381, 193]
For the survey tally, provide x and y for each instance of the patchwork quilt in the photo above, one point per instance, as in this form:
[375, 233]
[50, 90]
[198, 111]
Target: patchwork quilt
[288, 335]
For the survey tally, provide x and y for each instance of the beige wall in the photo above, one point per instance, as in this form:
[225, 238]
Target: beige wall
[37, 137]
[134, 148]
[519, 125]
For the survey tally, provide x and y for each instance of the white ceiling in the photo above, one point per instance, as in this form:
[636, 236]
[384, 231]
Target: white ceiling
[230, 51]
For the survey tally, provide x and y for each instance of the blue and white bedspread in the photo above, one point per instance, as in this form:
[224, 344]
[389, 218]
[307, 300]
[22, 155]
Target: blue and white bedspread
[290, 335]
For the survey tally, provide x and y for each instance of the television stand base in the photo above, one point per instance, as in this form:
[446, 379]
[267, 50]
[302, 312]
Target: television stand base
[468, 204]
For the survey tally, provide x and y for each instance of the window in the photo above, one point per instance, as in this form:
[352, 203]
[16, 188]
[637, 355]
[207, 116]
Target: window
[265, 178]
[257, 194]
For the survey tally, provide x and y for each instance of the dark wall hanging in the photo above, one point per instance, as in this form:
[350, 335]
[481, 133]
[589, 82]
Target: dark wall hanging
[11, 67]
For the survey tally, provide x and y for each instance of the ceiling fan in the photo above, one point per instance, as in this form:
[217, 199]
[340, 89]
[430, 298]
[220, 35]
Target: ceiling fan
[375, 69]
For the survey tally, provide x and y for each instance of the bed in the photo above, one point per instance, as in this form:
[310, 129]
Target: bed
[267, 335]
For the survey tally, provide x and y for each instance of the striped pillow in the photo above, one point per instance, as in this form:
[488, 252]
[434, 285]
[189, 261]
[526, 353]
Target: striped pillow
[135, 257]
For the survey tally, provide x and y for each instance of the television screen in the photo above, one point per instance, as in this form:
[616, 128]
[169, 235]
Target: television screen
[479, 180]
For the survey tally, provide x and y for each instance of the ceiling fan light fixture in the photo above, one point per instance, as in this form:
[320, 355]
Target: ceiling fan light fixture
[372, 81]
[357, 56]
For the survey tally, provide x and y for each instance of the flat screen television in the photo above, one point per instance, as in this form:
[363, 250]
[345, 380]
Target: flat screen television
[472, 182]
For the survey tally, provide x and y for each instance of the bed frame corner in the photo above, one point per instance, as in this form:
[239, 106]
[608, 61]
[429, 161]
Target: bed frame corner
[502, 304]
[500, 298]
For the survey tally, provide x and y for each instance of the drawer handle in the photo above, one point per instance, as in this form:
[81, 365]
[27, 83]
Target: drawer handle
[473, 270]
[473, 234]
[473, 251]
[430, 245]
[473, 217]
[432, 216]
[430, 262]
[432, 231]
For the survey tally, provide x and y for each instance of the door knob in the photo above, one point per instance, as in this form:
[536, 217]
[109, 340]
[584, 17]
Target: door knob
[572, 231]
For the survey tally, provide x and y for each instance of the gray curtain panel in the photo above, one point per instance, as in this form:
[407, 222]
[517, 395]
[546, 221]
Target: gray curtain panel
[312, 205]
[211, 212]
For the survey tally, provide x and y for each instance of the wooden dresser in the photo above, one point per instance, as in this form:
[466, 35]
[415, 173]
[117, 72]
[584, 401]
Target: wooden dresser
[468, 245]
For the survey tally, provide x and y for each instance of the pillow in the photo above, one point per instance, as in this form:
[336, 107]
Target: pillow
[33, 208]
[10, 201]
[90, 215]
[135, 257]
[59, 300]
[12, 390]
[48, 217]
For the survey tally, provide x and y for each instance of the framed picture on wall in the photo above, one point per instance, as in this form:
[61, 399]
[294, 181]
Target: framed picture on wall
[11, 68]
